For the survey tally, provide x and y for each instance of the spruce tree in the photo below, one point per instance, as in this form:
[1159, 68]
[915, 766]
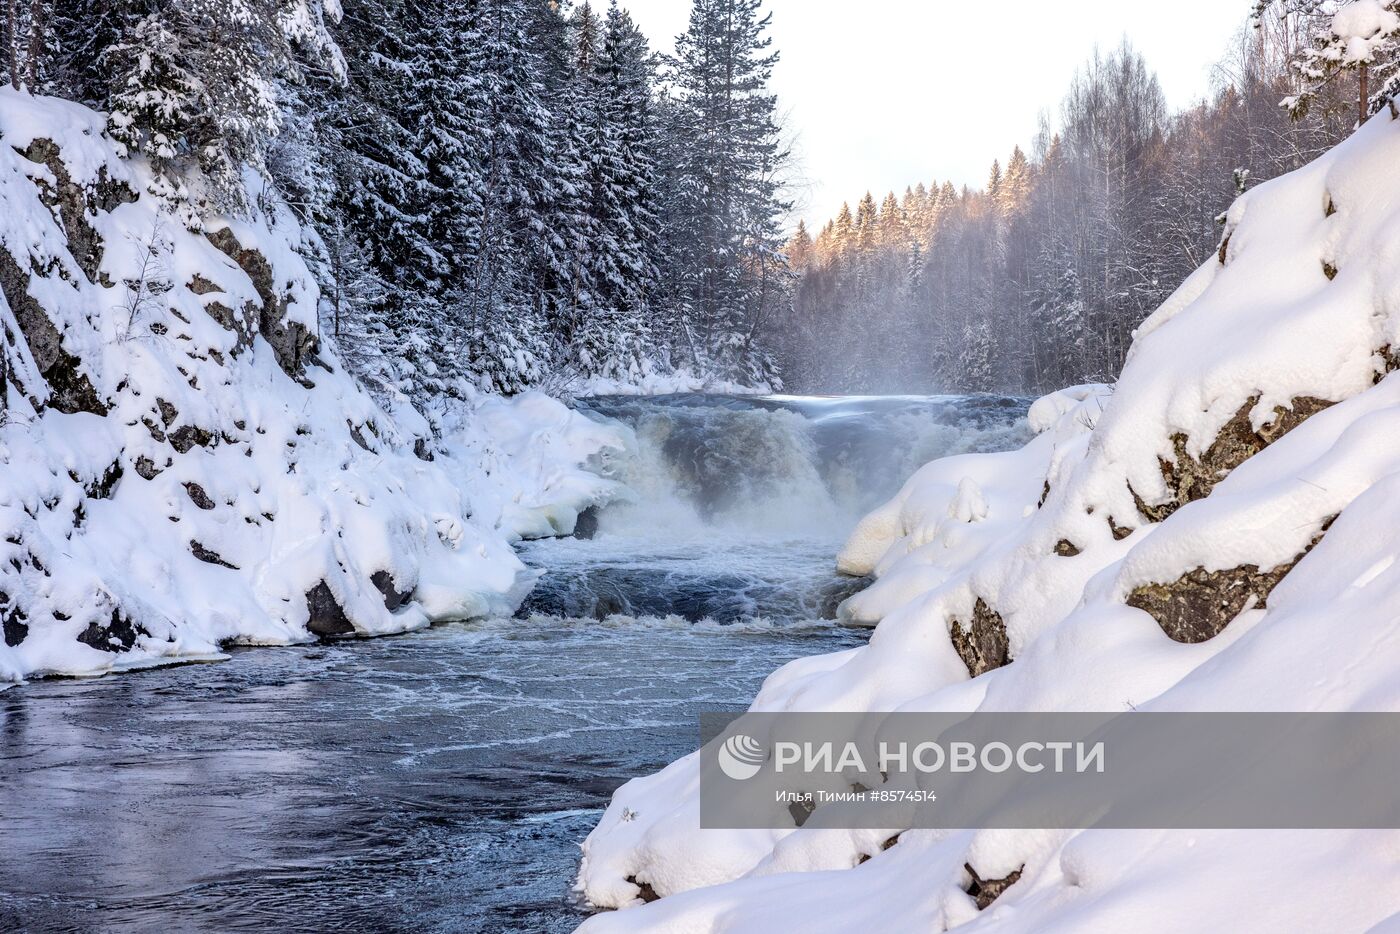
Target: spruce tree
[622, 181]
[504, 296]
[730, 273]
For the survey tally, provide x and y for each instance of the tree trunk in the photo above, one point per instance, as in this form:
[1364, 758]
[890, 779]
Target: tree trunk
[38, 28]
[4, 378]
[12, 36]
[36, 42]
[1363, 98]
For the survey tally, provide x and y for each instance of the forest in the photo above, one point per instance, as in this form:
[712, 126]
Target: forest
[512, 194]
[1037, 279]
[501, 194]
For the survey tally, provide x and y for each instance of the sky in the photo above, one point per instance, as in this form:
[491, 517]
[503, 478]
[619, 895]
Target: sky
[880, 94]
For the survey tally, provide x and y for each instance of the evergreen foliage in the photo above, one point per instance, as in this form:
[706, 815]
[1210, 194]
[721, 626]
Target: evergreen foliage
[504, 192]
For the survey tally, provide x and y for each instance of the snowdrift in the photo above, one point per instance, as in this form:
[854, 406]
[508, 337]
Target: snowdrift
[184, 463]
[1216, 532]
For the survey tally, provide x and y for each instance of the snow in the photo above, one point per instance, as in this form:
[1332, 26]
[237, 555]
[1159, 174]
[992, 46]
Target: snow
[524, 460]
[1363, 26]
[226, 481]
[1051, 537]
[655, 382]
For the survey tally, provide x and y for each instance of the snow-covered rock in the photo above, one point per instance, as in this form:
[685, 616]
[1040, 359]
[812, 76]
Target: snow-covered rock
[185, 464]
[1215, 533]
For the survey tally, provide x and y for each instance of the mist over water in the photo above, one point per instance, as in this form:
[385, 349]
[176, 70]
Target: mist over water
[442, 780]
[739, 503]
[769, 466]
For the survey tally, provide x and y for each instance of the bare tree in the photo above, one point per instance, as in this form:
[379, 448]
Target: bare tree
[150, 279]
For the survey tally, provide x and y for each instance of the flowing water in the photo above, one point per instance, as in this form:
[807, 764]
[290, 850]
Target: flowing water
[442, 780]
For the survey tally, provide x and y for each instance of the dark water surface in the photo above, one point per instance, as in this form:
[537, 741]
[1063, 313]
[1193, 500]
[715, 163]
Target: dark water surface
[442, 780]
[438, 781]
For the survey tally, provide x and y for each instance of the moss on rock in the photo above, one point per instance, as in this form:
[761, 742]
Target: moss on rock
[1199, 604]
[1190, 478]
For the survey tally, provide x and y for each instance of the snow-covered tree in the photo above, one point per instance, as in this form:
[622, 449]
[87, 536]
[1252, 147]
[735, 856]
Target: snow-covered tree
[1360, 36]
[504, 312]
[619, 251]
[799, 248]
[728, 276]
[1039, 279]
[195, 84]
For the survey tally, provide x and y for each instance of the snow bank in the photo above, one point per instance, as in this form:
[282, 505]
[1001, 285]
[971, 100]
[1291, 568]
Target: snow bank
[524, 459]
[185, 465]
[1215, 533]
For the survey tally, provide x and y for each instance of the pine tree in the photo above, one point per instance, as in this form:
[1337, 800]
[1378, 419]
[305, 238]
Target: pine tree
[157, 105]
[867, 226]
[382, 210]
[843, 233]
[82, 32]
[730, 274]
[621, 203]
[196, 86]
[1015, 184]
[893, 225]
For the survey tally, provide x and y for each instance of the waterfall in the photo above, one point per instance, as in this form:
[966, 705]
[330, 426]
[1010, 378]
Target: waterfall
[738, 504]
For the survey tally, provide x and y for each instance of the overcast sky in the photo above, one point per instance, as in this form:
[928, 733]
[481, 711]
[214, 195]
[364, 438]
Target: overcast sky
[885, 93]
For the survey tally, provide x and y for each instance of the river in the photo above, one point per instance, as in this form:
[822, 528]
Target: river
[442, 780]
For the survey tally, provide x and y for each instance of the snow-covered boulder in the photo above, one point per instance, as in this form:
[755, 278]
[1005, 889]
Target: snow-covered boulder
[185, 464]
[1214, 533]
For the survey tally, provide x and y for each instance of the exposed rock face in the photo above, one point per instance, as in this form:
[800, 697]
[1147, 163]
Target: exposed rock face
[358, 436]
[384, 582]
[118, 635]
[146, 468]
[647, 893]
[986, 891]
[186, 437]
[71, 390]
[202, 286]
[72, 203]
[1190, 479]
[587, 525]
[198, 496]
[291, 343]
[104, 486]
[327, 615]
[1119, 532]
[12, 621]
[69, 387]
[865, 857]
[209, 557]
[983, 645]
[801, 809]
[1199, 605]
[243, 325]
